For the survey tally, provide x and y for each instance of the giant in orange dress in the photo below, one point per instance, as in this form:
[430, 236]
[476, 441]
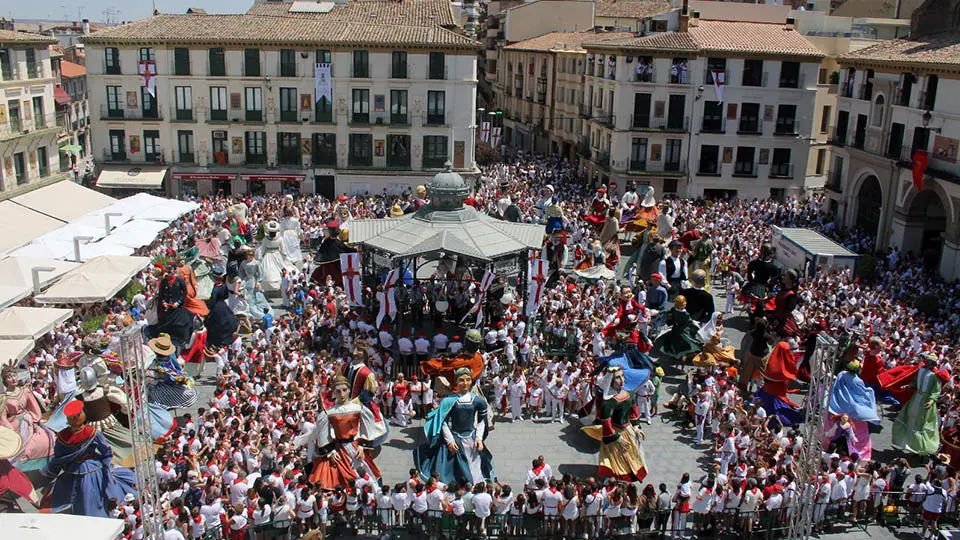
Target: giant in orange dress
[336, 441]
[192, 303]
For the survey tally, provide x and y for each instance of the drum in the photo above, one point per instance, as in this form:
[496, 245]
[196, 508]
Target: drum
[442, 306]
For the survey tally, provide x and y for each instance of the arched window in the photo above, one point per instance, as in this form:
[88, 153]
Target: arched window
[878, 111]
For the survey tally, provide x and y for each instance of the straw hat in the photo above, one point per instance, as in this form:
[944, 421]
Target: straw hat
[396, 211]
[944, 458]
[69, 361]
[162, 345]
[10, 443]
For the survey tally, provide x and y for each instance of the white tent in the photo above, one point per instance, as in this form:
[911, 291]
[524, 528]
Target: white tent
[14, 349]
[64, 200]
[30, 322]
[20, 225]
[97, 280]
[58, 526]
[16, 276]
[135, 234]
[52, 250]
[146, 206]
[92, 251]
[70, 231]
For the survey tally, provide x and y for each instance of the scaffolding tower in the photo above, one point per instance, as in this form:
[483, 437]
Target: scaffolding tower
[144, 464]
[822, 367]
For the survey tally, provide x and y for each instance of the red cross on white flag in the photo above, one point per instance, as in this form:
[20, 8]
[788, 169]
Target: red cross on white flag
[148, 74]
[536, 284]
[388, 300]
[350, 268]
[485, 283]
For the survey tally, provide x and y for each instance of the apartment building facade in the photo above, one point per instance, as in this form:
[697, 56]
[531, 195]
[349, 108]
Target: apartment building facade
[654, 115]
[895, 147]
[237, 108]
[28, 124]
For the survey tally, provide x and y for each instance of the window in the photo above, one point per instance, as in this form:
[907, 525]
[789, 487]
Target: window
[821, 159]
[749, 118]
[218, 103]
[713, 116]
[218, 63]
[786, 120]
[251, 62]
[398, 65]
[752, 73]
[744, 163]
[324, 149]
[361, 150]
[361, 64]
[822, 76]
[6, 68]
[219, 144]
[183, 96]
[671, 154]
[434, 151]
[398, 151]
[117, 151]
[148, 103]
[43, 162]
[878, 111]
[716, 64]
[181, 61]
[288, 63]
[31, 63]
[896, 140]
[436, 107]
[398, 107]
[253, 101]
[185, 147]
[151, 146]
[288, 105]
[111, 58]
[20, 168]
[789, 75]
[437, 67]
[255, 153]
[13, 106]
[323, 110]
[39, 120]
[825, 119]
[709, 160]
[289, 148]
[361, 106]
[323, 56]
[780, 166]
[638, 154]
[147, 54]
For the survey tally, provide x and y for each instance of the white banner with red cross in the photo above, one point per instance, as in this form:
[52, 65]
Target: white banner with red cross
[536, 285]
[485, 283]
[532, 256]
[350, 268]
[388, 298]
[147, 69]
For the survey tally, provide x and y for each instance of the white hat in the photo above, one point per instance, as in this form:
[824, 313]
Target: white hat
[649, 201]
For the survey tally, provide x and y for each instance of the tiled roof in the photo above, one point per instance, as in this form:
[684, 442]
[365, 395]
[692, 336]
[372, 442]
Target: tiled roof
[631, 9]
[406, 12]
[725, 38]
[256, 29]
[941, 49]
[564, 41]
[665, 41]
[12, 36]
[751, 38]
[70, 70]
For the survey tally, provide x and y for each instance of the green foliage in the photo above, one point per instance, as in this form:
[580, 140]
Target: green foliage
[92, 324]
[130, 290]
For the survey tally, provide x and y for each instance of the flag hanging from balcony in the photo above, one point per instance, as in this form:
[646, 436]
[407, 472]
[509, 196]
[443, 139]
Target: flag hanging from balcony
[485, 131]
[920, 160]
[321, 82]
[148, 74]
[719, 77]
[495, 137]
[350, 268]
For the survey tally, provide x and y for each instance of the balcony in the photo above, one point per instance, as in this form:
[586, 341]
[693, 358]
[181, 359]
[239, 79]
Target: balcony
[750, 127]
[360, 118]
[289, 116]
[606, 120]
[128, 157]
[859, 140]
[602, 159]
[253, 116]
[585, 110]
[793, 82]
[434, 162]
[183, 115]
[781, 170]
[435, 119]
[647, 76]
[745, 169]
[663, 168]
[787, 129]
[18, 127]
[865, 92]
[184, 157]
[708, 167]
[325, 159]
[839, 138]
[437, 73]
[834, 183]
[255, 159]
[846, 90]
[670, 123]
[716, 125]
[150, 115]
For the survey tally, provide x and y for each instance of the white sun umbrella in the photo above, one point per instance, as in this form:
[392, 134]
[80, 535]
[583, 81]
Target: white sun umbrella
[70, 231]
[90, 251]
[95, 219]
[56, 526]
[51, 250]
[135, 234]
[30, 322]
[14, 349]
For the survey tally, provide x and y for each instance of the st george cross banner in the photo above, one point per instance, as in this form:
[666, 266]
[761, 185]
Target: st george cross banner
[148, 75]
[719, 79]
[350, 267]
[388, 300]
[536, 285]
[485, 283]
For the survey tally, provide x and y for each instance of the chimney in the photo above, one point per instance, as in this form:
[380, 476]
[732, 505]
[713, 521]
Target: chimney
[790, 23]
[86, 27]
[685, 16]
[694, 19]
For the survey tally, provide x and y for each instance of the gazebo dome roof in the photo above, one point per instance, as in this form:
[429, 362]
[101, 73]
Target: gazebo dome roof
[447, 189]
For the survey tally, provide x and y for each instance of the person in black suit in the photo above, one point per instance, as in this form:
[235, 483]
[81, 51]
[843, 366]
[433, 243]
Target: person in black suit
[699, 302]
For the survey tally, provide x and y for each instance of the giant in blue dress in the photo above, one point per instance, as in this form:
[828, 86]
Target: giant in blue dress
[81, 466]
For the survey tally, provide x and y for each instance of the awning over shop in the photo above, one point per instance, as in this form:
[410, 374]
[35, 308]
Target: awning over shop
[30, 322]
[145, 177]
[273, 177]
[20, 225]
[61, 96]
[64, 200]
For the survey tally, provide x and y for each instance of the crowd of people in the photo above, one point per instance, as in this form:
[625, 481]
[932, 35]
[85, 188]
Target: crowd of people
[304, 394]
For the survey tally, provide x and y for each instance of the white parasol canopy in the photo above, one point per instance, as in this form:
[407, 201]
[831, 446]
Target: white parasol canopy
[58, 526]
[14, 349]
[30, 322]
[16, 276]
[97, 280]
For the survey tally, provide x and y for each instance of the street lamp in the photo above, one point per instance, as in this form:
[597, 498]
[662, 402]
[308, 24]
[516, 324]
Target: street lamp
[925, 119]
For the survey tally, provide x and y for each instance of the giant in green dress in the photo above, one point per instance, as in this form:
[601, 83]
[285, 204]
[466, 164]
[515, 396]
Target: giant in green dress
[915, 429]
[681, 340]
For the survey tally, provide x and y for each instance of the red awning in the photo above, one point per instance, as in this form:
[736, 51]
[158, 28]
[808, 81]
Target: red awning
[61, 96]
[273, 177]
[203, 176]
